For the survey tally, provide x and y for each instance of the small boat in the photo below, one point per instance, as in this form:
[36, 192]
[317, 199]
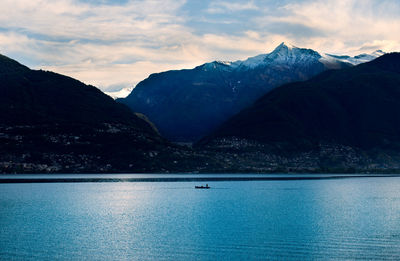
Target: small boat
[202, 187]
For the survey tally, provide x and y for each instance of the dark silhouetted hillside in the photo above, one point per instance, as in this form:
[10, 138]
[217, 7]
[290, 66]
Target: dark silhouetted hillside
[53, 123]
[358, 106]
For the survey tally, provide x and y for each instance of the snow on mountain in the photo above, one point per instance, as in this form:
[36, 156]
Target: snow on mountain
[355, 60]
[217, 65]
[187, 104]
[284, 54]
[253, 62]
[121, 93]
[289, 54]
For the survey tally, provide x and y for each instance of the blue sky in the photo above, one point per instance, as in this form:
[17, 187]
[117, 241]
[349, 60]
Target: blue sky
[115, 44]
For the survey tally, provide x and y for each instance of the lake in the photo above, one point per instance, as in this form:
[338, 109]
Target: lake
[349, 218]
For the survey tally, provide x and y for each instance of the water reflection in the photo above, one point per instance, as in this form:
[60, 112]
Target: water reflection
[319, 219]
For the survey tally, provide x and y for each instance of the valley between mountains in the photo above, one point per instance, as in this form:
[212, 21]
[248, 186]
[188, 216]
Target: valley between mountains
[292, 110]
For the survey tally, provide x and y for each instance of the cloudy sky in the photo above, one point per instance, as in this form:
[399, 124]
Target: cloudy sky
[116, 43]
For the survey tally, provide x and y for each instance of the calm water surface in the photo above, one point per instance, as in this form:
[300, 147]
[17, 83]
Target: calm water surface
[356, 218]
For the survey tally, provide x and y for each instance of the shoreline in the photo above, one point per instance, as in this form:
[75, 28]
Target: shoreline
[9, 180]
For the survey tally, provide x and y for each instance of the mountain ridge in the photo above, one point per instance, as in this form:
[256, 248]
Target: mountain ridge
[347, 97]
[364, 98]
[338, 121]
[186, 105]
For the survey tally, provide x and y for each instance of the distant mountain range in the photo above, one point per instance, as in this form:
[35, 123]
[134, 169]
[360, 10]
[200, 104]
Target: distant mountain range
[186, 105]
[338, 121]
[352, 113]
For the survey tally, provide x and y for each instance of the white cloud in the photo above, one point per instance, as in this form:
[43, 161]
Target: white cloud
[97, 44]
[67, 18]
[347, 24]
[121, 44]
[106, 75]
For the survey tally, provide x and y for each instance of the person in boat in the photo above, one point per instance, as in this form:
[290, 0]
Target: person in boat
[202, 186]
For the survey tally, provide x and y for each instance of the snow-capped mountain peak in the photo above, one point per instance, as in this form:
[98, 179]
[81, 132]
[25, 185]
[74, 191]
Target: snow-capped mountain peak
[282, 54]
[355, 60]
[287, 54]
[284, 47]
